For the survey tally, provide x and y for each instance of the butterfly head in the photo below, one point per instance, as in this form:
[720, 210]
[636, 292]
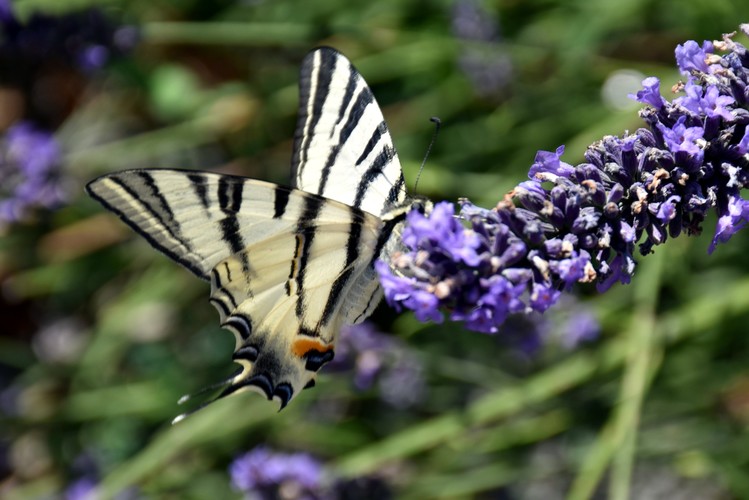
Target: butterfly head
[398, 213]
[422, 205]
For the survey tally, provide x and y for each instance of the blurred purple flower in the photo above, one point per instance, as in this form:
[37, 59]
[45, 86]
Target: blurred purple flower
[381, 360]
[82, 489]
[483, 60]
[6, 11]
[265, 474]
[85, 39]
[571, 224]
[581, 326]
[569, 325]
[29, 172]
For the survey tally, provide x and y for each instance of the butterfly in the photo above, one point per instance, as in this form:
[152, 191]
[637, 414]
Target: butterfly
[288, 266]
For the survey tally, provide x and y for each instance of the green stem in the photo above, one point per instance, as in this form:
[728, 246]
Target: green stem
[494, 406]
[616, 444]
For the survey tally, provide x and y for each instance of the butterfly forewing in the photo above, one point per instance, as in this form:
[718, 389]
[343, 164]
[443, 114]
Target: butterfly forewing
[343, 149]
[288, 267]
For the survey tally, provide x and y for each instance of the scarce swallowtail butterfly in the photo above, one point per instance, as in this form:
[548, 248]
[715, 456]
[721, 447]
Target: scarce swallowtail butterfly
[287, 266]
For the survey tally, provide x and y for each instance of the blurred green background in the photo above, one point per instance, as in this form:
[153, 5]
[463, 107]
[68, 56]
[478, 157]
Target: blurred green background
[100, 335]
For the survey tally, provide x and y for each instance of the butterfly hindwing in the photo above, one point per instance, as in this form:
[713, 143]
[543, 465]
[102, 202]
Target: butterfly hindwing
[287, 323]
[342, 145]
[287, 268]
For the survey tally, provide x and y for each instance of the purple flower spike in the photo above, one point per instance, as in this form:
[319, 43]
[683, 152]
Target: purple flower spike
[577, 224]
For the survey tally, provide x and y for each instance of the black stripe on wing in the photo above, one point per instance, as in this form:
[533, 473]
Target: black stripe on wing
[217, 285]
[387, 230]
[381, 130]
[375, 170]
[363, 99]
[230, 202]
[312, 96]
[241, 323]
[397, 193]
[352, 254]
[199, 184]
[152, 201]
[280, 201]
[305, 227]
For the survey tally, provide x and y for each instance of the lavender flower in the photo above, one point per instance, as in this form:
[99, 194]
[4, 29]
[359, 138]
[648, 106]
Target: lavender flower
[29, 172]
[85, 39]
[381, 360]
[579, 328]
[82, 489]
[264, 474]
[486, 65]
[571, 224]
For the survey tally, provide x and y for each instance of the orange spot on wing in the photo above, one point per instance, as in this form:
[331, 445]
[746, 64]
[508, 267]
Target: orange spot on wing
[302, 346]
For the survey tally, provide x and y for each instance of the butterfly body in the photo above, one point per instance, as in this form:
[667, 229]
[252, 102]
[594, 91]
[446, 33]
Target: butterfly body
[287, 266]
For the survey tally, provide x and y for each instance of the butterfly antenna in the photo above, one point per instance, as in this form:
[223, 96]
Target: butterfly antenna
[437, 124]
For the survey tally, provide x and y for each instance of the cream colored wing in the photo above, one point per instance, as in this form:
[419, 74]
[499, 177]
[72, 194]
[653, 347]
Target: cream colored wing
[287, 268]
[342, 146]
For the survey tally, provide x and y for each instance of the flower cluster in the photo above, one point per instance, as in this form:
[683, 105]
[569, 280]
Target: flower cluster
[29, 167]
[84, 39]
[381, 360]
[571, 224]
[264, 474]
